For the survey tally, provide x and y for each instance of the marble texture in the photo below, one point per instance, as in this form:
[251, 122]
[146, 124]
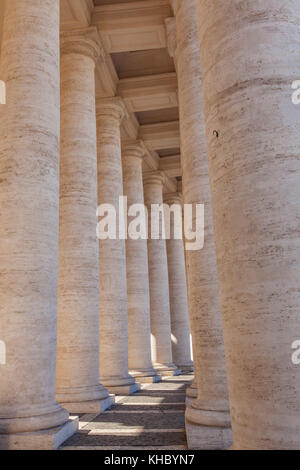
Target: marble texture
[254, 172]
[211, 408]
[138, 297]
[29, 198]
[158, 283]
[112, 254]
[180, 327]
[78, 386]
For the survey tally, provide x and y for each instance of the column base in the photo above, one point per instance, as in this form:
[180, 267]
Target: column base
[191, 394]
[125, 389]
[167, 370]
[121, 385]
[85, 399]
[48, 439]
[207, 429]
[147, 376]
[150, 380]
[169, 373]
[185, 368]
[91, 406]
[207, 437]
[189, 401]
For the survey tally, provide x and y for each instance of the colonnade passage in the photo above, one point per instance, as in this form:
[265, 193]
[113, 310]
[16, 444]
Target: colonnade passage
[149, 224]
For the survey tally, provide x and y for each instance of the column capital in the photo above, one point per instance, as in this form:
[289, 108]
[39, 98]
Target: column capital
[111, 107]
[82, 41]
[171, 36]
[173, 198]
[154, 177]
[133, 148]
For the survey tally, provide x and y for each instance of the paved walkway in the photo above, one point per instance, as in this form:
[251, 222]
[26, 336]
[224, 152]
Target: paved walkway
[152, 419]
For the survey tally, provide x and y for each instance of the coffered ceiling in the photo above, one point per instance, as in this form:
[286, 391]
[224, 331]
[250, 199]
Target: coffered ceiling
[134, 35]
[138, 68]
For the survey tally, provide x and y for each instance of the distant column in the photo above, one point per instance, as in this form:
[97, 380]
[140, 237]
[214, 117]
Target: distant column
[158, 284]
[180, 327]
[138, 298]
[112, 256]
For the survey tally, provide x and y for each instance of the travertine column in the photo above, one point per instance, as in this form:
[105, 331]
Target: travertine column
[158, 283]
[29, 196]
[255, 174]
[180, 327]
[138, 299]
[112, 256]
[78, 386]
[208, 418]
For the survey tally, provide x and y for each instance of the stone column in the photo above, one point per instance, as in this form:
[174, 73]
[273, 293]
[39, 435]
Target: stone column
[158, 283]
[191, 392]
[255, 173]
[180, 328]
[208, 418]
[138, 298]
[112, 256]
[78, 386]
[30, 418]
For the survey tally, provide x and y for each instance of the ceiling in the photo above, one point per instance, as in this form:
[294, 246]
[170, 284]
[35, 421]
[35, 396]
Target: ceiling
[141, 63]
[138, 68]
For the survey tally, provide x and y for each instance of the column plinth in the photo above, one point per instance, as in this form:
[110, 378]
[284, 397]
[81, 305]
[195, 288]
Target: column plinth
[255, 172]
[204, 305]
[180, 328]
[191, 394]
[158, 284]
[112, 256]
[138, 298]
[29, 198]
[78, 386]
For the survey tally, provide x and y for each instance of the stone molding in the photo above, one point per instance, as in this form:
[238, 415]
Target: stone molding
[134, 148]
[173, 198]
[84, 42]
[154, 177]
[111, 107]
[132, 25]
[163, 135]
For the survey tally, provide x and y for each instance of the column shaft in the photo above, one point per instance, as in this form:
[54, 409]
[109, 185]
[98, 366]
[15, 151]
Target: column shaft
[180, 327]
[158, 283]
[207, 419]
[78, 384]
[249, 62]
[138, 298]
[112, 256]
[29, 196]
